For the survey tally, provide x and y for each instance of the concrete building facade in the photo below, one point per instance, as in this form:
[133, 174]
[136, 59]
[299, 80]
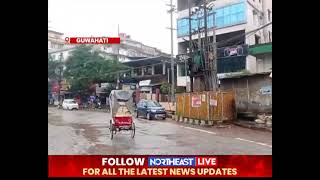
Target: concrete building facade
[55, 40]
[233, 18]
[129, 48]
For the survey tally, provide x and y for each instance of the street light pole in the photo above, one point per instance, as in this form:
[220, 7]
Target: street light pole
[215, 58]
[190, 47]
[206, 57]
[212, 70]
[172, 63]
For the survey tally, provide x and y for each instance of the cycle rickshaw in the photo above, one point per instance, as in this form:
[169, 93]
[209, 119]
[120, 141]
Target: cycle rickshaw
[121, 109]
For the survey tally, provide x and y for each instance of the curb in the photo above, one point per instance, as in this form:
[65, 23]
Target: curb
[252, 126]
[89, 110]
[237, 123]
[94, 110]
[199, 122]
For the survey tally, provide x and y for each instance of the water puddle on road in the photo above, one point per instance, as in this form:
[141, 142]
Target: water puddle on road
[55, 120]
[98, 136]
[86, 130]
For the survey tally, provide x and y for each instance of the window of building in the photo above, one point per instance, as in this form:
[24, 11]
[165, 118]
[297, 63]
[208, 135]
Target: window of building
[219, 18]
[254, 17]
[226, 13]
[182, 70]
[158, 69]
[183, 27]
[270, 36]
[148, 70]
[269, 15]
[257, 39]
[210, 21]
[231, 64]
[137, 72]
[259, 1]
[224, 16]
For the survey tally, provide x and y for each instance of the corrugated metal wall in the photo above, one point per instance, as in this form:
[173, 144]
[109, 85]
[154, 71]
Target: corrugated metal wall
[206, 105]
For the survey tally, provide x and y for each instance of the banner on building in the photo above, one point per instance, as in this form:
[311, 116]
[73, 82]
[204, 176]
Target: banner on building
[213, 102]
[196, 101]
[231, 51]
[203, 98]
[266, 90]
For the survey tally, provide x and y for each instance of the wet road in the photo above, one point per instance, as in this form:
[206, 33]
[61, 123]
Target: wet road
[83, 132]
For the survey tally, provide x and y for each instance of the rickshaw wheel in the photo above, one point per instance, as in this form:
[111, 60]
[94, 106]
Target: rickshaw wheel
[111, 130]
[133, 130]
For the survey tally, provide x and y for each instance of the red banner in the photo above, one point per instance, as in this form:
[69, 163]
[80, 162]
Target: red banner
[92, 40]
[156, 166]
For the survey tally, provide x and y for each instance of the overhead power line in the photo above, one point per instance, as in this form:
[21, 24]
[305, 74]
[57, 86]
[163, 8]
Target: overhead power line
[244, 34]
[238, 36]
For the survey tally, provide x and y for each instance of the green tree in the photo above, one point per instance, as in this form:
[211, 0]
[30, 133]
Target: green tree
[53, 68]
[85, 67]
[165, 88]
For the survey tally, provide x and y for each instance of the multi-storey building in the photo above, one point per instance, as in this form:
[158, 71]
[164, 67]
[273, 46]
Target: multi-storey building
[129, 48]
[55, 40]
[234, 20]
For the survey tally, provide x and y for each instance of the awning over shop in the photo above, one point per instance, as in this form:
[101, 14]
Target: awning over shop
[147, 61]
[260, 49]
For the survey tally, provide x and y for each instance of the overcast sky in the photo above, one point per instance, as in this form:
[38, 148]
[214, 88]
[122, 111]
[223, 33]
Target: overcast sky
[145, 20]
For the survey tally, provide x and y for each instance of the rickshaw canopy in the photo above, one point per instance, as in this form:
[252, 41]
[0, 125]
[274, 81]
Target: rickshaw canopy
[121, 100]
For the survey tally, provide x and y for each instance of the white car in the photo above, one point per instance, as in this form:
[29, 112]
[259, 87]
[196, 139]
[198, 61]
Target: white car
[70, 104]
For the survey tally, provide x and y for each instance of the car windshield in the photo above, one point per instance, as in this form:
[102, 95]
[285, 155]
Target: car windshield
[153, 104]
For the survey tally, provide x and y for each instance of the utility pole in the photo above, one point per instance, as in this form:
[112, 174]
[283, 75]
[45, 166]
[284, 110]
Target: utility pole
[199, 36]
[210, 73]
[207, 82]
[212, 60]
[264, 20]
[215, 58]
[172, 61]
[190, 47]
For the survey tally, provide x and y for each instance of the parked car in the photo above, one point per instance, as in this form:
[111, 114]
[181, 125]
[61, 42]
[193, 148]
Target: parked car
[150, 109]
[70, 104]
